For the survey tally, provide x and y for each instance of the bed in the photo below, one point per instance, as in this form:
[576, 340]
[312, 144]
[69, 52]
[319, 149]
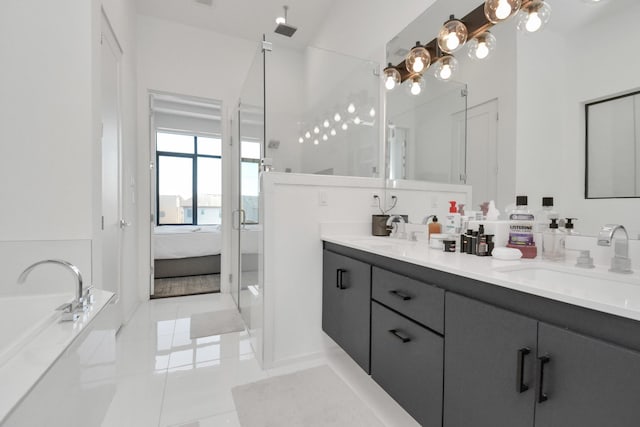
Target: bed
[189, 250]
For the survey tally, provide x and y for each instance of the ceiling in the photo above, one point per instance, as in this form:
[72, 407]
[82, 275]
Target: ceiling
[247, 19]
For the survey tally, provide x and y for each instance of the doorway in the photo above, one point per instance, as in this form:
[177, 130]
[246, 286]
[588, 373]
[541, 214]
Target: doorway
[482, 152]
[187, 182]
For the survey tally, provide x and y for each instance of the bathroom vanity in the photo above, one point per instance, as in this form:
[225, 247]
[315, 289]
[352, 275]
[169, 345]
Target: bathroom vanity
[460, 341]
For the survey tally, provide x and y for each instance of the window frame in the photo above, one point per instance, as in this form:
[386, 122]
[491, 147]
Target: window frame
[194, 171]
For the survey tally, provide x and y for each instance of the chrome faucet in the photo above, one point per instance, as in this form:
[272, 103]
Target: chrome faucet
[400, 234]
[83, 296]
[425, 220]
[620, 263]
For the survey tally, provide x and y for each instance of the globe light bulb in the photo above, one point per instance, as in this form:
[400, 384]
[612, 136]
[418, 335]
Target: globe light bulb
[307, 135]
[301, 140]
[325, 137]
[280, 20]
[389, 83]
[316, 130]
[482, 51]
[357, 120]
[418, 65]
[333, 132]
[415, 88]
[446, 72]
[345, 126]
[534, 23]
[452, 41]
[325, 123]
[503, 10]
[372, 112]
[337, 117]
[351, 108]
[316, 142]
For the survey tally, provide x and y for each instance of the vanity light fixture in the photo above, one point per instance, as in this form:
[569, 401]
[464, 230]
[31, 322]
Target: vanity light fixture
[325, 123]
[453, 35]
[301, 140]
[345, 126]
[316, 130]
[445, 67]
[324, 137]
[533, 16]
[357, 120]
[418, 59]
[333, 132]
[391, 77]
[415, 84]
[307, 135]
[351, 108]
[482, 46]
[336, 117]
[500, 10]
[316, 142]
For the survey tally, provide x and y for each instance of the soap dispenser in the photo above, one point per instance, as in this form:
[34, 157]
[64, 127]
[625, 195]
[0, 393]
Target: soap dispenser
[553, 242]
[568, 227]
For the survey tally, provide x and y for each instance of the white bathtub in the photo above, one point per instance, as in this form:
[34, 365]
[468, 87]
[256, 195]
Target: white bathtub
[24, 317]
[55, 373]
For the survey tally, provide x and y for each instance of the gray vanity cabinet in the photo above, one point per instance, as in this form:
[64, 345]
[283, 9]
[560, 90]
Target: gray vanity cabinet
[505, 369]
[489, 361]
[346, 304]
[586, 382]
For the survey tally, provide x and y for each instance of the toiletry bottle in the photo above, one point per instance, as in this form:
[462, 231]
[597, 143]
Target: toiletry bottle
[469, 242]
[544, 215]
[568, 227]
[473, 244]
[452, 224]
[553, 242]
[490, 243]
[434, 227]
[464, 241]
[482, 245]
[521, 224]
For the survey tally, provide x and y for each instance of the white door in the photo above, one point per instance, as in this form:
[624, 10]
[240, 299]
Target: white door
[111, 182]
[481, 153]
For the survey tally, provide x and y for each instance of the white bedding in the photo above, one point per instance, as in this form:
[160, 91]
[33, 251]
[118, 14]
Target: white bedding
[184, 241]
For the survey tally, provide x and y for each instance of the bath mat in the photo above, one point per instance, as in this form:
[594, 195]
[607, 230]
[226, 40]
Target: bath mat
[312, 398]
[189, 285]
[215, 323]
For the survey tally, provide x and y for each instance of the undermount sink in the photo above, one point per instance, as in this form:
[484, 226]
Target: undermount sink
[585, 284]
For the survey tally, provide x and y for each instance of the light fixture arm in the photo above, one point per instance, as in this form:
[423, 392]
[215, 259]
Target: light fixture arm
[286, 8]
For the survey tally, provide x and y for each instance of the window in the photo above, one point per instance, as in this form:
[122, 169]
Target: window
[189, 175]
[250, 170]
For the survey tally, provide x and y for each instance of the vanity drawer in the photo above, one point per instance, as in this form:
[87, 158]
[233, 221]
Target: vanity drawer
[407, 362]
[417, 300]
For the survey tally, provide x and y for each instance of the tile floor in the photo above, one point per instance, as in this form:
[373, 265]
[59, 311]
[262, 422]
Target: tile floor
[167, 379]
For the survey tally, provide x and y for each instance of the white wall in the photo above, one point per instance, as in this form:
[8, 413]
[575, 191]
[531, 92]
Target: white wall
[46, 120]
[184, 60]
[292, 278]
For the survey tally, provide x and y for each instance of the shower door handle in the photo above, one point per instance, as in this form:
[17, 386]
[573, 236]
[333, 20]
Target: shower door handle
[243, 218]
[233, 219]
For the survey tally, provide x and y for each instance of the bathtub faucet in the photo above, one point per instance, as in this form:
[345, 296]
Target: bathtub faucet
[83, 298]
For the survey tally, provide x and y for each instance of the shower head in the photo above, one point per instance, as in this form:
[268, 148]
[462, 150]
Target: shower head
[283, 28]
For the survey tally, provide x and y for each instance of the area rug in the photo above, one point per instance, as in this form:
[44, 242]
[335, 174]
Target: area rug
[215, 323]
[189, 285]
[315, 397]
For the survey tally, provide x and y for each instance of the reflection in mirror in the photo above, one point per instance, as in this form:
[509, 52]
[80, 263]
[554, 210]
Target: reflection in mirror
[613, 147]
[426, 134]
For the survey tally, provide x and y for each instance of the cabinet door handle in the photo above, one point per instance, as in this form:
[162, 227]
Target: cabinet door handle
[400, 335]
[521, 387]
[542, 360]
[400, 294]
[339, 277]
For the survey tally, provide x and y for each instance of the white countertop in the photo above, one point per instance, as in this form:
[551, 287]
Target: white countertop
[21, 373]
[597, 289]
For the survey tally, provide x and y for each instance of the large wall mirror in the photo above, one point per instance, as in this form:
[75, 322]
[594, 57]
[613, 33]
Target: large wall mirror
[528, 99]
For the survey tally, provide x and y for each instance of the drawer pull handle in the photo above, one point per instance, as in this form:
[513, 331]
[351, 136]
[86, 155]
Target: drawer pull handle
[542, 396]
[400, 294]
[339, 278]
[400, 335]
[521, 387]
